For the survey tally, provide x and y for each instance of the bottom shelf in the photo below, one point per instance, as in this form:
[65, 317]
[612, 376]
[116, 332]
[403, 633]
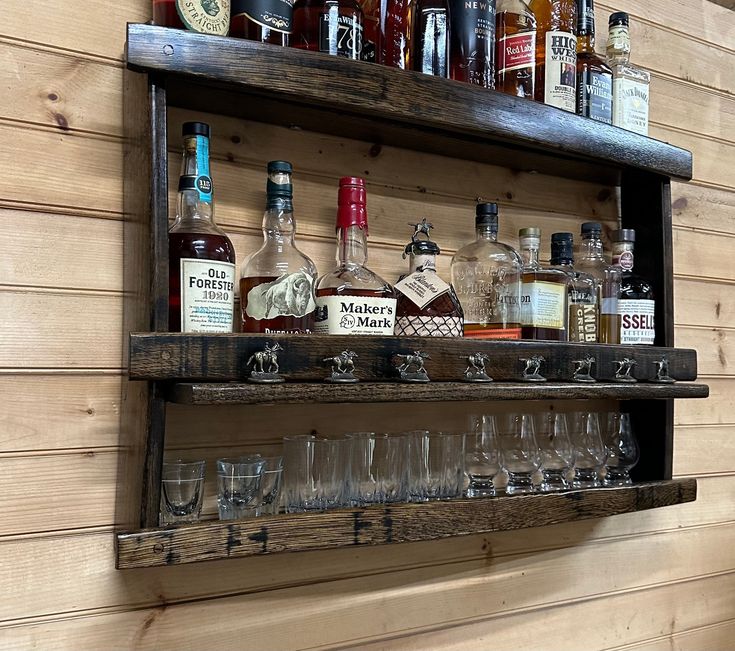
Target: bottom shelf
[385, 524]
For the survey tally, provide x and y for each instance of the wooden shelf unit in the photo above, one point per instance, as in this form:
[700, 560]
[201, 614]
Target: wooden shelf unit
[364, 101]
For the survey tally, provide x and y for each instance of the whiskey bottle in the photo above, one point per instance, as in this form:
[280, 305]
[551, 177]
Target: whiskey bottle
[608, 280]
[266, 21]
[556, 53]
[394, 40]
[427, 306]
[544, 294]
[630, 83]
[472, 41]
[352, 299]
[431, 37]
[201, 257]
[371, 29]
[583, 307]
[202, 16]
[277, 281]
[486, 275]
[331, 26]
[515, 48]
[636, 304]
[594, 76]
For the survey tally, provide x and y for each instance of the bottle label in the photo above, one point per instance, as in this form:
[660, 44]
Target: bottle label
[561, 70]
[630, 108]
[340, 35]
[624, 260]
[517, 51]
[429, 326]
[595, 96]
[271, 14]
[207, 295]
[355, 315]
[543, 305]
[609, 305]
[637, 321]
[201, 181]
[618, 39]
[472, 28]
[205, 16]
[288, 295]
[583, 322]
[475, 331]
[490, 299]
[422, 287]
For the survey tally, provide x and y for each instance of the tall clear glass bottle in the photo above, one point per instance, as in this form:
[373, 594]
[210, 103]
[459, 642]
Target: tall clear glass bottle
[430, 41]
[277, 281]
[515, 31]
[201, 257]
[608, 280]
[486, 275]
[352, 299]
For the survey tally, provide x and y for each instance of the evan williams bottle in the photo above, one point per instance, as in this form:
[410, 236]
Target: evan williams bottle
[516, 49]
[472, 50]
[205, 16]
[267, 21]
[200, 256]
[277, 281]
[331, 26]
[353, 300]
[594, 76]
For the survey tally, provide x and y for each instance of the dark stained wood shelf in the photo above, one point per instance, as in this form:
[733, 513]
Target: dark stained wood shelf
[254, 394]
[388, 106]
[380, 525]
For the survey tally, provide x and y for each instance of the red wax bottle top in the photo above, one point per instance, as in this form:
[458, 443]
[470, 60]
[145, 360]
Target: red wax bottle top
[352, 203]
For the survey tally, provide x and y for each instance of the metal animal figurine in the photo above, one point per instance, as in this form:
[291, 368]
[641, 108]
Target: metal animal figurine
[342, 367]
[475, 371]
[421, 227]
[623, 370]
[265, 365]
[662, 371]
[531, 370]
[583, 369]
[411, 367]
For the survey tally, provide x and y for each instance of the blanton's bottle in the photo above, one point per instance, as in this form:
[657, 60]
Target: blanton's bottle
[472, 38]
[201, 257]
[516, 49]
[352, 299]
[277, 281]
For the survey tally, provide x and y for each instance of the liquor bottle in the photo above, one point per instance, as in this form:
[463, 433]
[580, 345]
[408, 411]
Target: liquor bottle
[352, 299]
[266, 21]
[277, 281]
[331, 26]
[556, 53]
[371, 29]
[636, 304]
[486, 275]
[630, 83]
[583, 306]
[201, 257]
[472, 42]
[427, 306]
[594, 76]
[431, 37]
[394, 40]
[205, 16]
[516, 48]
[544, 294]
[608, 282]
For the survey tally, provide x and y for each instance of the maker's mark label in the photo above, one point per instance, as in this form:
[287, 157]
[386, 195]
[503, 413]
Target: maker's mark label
[355, 315]
[205, 16]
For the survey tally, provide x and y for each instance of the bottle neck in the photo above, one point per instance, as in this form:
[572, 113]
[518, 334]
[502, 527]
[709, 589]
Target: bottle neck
[195, 199]
[562, 262]
[486, 232]
[592, 248]
[586, 41]
[623, 255]
[529, 255]
[421, 262]
[618, 45]
[279, 224]
[352, 246]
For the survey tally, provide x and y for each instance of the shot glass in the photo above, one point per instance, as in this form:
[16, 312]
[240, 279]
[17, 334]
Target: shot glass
[271, 486]
[182, 489]
[239, 487]
[482, 456]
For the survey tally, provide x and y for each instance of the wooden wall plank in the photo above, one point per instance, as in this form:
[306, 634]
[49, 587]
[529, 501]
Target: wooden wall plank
[716, 410]
[715, 636]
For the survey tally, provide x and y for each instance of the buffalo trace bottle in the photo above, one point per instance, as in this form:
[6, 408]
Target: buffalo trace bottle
[427, 306]
[205, 16]
[594, 76]
[486, 275]
[516, 48]
[266, 21]
[472, 41]
[331, 26]
[431, 37]
[394, 39]
[556, 53]
[201, 257]
[277, 281]
[636, 304]
[544, 294]
[583, 307]
[352, 299]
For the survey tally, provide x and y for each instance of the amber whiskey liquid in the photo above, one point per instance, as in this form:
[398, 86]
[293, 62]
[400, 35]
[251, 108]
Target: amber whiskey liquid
[274, 295]
[516, 51]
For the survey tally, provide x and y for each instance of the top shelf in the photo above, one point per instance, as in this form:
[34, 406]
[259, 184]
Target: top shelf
[388, 106]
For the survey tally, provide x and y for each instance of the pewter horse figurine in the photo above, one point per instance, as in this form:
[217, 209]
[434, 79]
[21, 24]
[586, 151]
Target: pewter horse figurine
[416, 359]
[342, 363]
[476, 363]
[267, 357]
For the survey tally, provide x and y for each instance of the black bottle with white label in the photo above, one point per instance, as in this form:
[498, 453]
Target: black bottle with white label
[594, 76]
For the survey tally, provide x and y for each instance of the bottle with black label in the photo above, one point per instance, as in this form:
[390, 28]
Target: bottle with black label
[201, 257]
[594, 76]
[556, 53]
[331, 26]
[266, 21]
[277, 281]
[636, 304]
[472, 38]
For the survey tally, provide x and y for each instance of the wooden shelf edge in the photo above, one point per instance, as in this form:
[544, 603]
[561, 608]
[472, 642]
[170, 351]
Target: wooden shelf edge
[380, 525]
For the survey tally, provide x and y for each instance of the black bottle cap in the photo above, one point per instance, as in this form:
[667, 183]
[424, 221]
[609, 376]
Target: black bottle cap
[486, 213]
[619, 18]
[562, 248]
[623, 235]
[280, 166]
[562, 237]
[195, 129]
[426, 247]
[591, 228]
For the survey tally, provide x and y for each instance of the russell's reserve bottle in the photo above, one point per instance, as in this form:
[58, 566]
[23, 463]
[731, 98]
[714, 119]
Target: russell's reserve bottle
[472, 41]
[331, 26]
[430, 41]
[204, 16]
[583, 306]
[516, 48]
[636, 304]
[486, 275]
[352, 299]
[427, 305]
[594, 76]
[277, 281]
[201, 257]
[556, 52]
[266, 21]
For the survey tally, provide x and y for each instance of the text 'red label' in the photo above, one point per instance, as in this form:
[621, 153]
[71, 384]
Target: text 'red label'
[517, 51]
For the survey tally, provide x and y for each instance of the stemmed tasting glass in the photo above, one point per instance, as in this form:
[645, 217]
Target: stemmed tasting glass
[482, 456]
[557, 453]
[589, 450]
[520, 454]
[622, 450]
